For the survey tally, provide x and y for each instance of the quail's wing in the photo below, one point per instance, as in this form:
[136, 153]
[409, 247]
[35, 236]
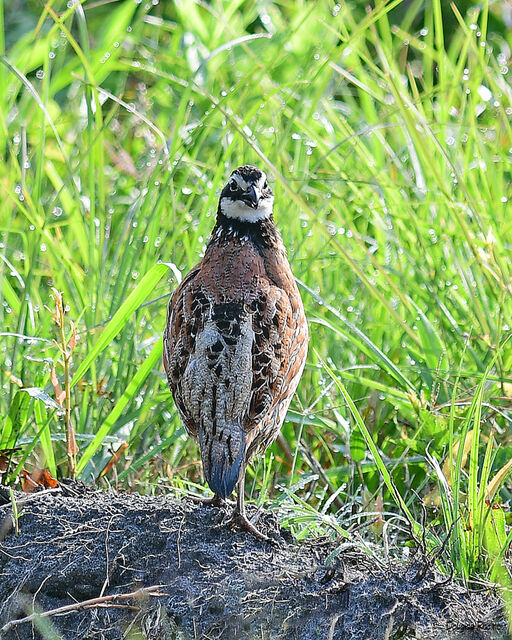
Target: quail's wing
[186, 313]
[279, 349]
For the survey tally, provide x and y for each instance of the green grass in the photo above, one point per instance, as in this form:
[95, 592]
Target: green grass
[387, 133]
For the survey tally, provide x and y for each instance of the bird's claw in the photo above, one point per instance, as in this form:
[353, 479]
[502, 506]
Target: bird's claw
[244, 522]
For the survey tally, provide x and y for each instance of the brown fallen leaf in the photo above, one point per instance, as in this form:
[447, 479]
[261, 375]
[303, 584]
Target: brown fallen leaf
[37, 479]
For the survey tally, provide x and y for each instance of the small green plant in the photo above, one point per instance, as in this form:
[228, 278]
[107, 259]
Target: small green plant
[15, 513]
[66, 345]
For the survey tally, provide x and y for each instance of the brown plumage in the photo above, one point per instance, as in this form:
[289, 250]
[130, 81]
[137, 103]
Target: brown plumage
[236, 337]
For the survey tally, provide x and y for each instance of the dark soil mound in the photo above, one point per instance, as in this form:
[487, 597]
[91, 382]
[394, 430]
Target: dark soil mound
[210, 580]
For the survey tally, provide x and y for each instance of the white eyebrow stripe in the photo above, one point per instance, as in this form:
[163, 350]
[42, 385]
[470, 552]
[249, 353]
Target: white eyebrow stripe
[240, 181]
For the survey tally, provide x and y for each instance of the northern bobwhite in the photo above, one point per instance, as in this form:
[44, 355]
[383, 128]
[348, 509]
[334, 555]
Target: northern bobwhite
[236, 338]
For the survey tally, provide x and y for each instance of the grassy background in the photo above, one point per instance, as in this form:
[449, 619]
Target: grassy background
[387, 134]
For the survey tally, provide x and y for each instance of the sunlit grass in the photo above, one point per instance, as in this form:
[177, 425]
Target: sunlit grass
[388, 136]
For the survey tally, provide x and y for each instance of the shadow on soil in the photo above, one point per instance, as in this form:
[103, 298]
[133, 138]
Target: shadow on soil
[211, 581]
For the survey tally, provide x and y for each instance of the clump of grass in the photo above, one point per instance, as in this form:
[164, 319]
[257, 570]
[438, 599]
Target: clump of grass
[387, 132]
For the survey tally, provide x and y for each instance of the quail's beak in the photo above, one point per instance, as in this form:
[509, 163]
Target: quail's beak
[251, 197]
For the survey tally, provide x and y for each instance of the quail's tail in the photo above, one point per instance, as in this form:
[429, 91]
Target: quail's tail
[222, 453]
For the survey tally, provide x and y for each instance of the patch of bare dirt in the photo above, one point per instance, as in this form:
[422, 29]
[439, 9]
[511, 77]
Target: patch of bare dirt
[156, 568]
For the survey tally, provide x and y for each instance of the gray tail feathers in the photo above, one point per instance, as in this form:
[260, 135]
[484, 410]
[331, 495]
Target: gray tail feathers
[222, 453]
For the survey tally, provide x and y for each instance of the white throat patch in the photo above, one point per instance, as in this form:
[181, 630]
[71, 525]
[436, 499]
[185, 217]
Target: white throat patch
[240, 211]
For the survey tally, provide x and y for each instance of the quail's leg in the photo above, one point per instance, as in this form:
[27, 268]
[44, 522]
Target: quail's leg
[240, 516]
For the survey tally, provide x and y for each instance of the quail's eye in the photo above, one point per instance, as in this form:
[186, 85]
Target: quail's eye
[232, 185]
[265, 186]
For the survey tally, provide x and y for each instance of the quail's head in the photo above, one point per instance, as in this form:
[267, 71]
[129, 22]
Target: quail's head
[247, 195]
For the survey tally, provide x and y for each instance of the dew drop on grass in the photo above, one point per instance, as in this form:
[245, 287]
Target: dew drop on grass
[43, 247]
[40, 74]
[484, 93]
[51, 55]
